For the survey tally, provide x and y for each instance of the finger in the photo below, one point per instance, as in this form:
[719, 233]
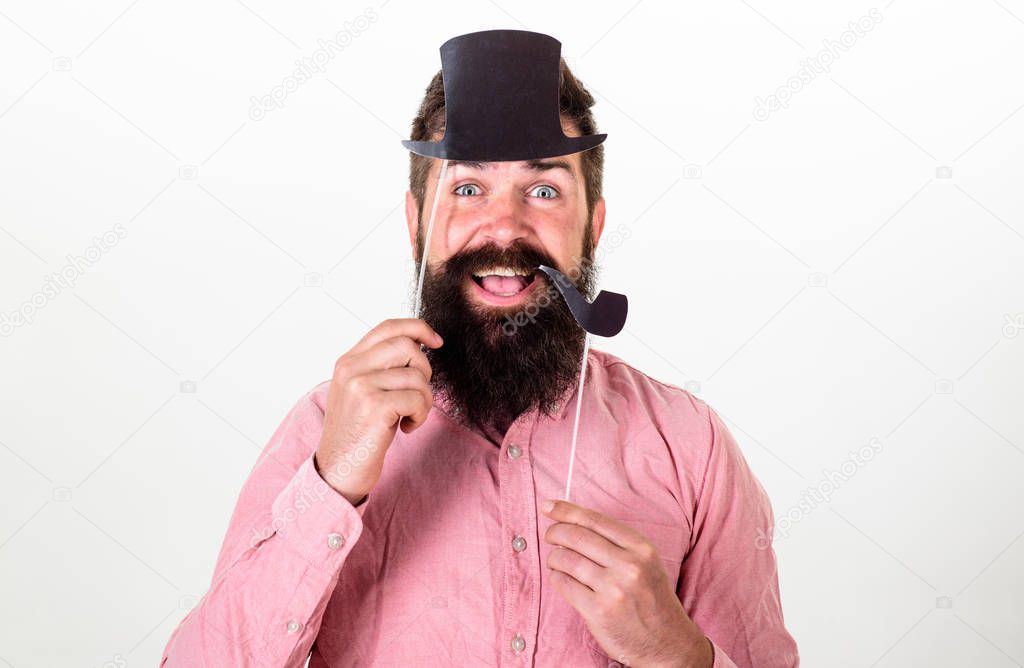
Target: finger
[410, 407]
[587, 542]
[617, 532]
[579, 568]
[395, 378]
[415, 328]
[395, 388]
[579, 595]
[397, 351]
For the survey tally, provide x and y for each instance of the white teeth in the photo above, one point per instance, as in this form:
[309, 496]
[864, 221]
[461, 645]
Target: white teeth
[500, 271]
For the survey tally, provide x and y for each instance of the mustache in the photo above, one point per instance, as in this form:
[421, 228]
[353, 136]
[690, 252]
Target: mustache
[519, 256]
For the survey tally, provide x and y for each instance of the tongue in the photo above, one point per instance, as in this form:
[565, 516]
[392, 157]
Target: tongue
[503, 284]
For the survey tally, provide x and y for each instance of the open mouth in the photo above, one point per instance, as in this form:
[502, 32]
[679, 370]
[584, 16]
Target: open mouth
[503, 281]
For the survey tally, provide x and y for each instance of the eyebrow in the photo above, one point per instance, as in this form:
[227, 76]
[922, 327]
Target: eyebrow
[537, 165]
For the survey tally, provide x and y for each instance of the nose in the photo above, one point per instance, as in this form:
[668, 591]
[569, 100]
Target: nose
[506, 221]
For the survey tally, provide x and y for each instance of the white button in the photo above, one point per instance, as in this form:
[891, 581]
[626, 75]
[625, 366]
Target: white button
[335, 540]
[518, 543]
[514, 451]
[518, 644]
[293, 626]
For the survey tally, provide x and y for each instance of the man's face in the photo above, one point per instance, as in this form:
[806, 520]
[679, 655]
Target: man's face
[540, 204]
[510, 341]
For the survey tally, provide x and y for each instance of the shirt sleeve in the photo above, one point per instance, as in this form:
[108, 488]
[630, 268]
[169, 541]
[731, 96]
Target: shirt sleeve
[729, 581]
[287, 540]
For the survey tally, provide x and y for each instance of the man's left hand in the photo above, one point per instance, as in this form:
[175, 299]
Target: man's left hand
[612, 575]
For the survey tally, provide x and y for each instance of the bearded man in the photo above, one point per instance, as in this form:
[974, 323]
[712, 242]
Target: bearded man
[407, 511]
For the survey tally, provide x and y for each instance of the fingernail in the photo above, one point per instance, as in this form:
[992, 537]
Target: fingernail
[547, 506]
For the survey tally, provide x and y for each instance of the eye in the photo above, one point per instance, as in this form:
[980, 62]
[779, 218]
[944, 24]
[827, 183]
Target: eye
[462, 190]
[545, 192]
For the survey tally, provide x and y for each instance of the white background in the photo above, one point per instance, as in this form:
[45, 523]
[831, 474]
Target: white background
[848, 269]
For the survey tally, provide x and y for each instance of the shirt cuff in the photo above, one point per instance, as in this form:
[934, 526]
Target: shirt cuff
[720, 660]
[317, 522]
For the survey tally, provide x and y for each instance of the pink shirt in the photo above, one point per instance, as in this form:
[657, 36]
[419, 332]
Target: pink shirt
[444, 562]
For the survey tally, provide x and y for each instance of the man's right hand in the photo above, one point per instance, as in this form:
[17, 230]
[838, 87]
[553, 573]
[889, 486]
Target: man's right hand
[381, 383]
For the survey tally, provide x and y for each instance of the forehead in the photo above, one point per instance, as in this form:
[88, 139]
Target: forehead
[567, 164]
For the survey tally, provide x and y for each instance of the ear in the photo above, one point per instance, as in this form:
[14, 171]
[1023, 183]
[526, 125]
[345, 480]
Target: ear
[411, 221]
[597, 222]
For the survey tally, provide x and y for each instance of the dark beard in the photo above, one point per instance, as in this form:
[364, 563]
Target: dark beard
[497, 363]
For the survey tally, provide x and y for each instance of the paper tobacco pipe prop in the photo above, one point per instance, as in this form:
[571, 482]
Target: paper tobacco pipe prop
[605, 316]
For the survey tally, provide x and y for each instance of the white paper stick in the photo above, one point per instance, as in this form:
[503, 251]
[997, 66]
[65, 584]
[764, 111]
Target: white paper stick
[426, 240]
[576, 421]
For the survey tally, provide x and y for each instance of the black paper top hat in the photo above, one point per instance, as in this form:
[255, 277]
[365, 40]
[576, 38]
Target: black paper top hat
[501, 100]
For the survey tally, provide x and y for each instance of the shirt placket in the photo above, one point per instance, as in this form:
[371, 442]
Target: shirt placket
[520, 549]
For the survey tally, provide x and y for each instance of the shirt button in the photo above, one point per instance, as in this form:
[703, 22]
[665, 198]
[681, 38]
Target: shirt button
[514, 451]
[518, 644]
[293, 626]
[518, 543]
[335, 540]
